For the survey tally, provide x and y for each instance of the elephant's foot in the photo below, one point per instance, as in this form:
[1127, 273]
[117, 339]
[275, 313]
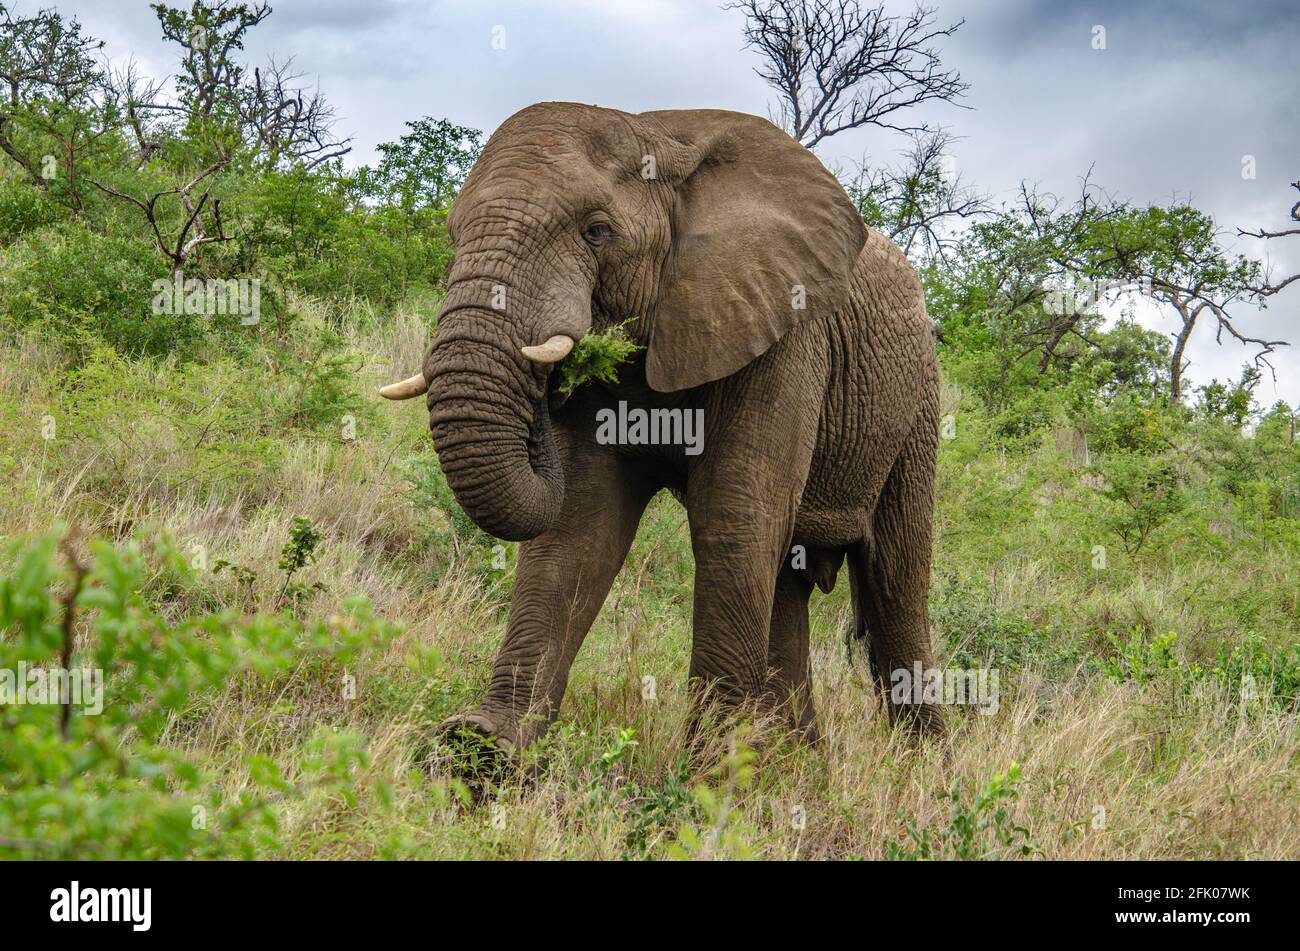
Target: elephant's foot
[480, 727]
[487, 741]
[476, 747]
[923, 720]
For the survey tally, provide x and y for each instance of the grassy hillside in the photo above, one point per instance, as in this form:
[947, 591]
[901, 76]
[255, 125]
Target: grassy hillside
[1148, 708]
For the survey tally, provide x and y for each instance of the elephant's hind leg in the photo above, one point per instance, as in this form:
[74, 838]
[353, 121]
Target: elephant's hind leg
[891, 575]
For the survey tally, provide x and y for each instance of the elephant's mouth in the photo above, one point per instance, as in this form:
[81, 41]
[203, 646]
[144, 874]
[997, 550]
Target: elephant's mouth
[555, 398]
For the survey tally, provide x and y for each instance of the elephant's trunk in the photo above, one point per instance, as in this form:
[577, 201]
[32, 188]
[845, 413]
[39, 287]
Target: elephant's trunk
[490, 423]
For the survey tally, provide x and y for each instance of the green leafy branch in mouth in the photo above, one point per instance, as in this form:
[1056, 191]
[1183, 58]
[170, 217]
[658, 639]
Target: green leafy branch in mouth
[596, 357]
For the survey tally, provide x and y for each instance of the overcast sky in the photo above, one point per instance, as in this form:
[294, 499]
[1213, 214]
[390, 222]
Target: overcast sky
[1181, 93]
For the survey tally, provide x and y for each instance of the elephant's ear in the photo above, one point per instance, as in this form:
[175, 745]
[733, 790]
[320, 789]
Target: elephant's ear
[764, 237]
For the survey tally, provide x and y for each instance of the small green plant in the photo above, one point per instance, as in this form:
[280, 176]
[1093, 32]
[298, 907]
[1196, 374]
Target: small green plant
[724, 833]
[615, 754]
[652, 809]
[298, 552]
[1137, 659]
[974, 831]
[596, 357]
[1250, 671]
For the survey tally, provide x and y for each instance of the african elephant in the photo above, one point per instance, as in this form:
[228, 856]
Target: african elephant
[767, 311]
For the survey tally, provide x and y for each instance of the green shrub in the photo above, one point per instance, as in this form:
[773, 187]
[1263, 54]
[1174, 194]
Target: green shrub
[81, 784]
[974, 831]
[81, 287]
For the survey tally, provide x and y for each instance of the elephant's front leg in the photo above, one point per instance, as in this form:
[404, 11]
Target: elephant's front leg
[561, 582]
[742, 496]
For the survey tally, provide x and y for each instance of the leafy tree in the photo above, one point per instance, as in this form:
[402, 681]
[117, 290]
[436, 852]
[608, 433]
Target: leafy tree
[1177, 255]
[1229, 402]
[50, 113]
[425, 167]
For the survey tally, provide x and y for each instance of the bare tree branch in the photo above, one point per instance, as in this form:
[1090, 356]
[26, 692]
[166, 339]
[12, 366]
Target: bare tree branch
[915, 201]
[182, 248]
[1267, 288]
[837, 66]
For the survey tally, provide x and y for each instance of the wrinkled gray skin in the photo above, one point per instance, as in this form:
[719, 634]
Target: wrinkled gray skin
[820, 414]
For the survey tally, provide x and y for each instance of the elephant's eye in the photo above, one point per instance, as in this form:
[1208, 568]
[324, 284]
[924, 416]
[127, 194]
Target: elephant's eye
[597, 232]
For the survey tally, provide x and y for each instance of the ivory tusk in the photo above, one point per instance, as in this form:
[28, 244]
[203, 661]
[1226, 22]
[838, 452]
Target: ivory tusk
[553, 351]
[405, 389]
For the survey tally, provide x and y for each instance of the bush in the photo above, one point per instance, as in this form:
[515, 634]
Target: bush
[81, 288]
[104, 784]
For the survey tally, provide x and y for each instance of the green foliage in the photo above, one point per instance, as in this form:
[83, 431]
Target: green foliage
[1143, 492]
[1251, 670]
[1138, 659]
[1229, 403]
[596, 357]
[722, 831]
[976, 830]
[107, 784]
[321, 378]
[80, 287]
[981, 634]
[1247, 668]
[654, 808]
[23, 209]
[425, 167]
[298, 552]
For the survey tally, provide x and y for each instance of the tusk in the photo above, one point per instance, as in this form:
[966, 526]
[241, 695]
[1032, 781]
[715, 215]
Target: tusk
[406, 389]
[553, 351]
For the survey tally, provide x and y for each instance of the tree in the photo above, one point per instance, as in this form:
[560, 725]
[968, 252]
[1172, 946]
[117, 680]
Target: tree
[1177, 255]
[836, 66]
[413, 185]
[270, 115]
[425, 167]
[49, 111]
[914, 201]
[1051, 265]
[284, 123]
[1023, 275]
[218, 119]
[1229, 402]
[192, 232]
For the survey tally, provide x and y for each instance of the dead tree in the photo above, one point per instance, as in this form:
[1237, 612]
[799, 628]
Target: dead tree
[837, 66]
[193, 233]
[283, 121]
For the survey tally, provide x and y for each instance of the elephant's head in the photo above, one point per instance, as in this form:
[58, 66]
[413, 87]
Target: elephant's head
[711, 232]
